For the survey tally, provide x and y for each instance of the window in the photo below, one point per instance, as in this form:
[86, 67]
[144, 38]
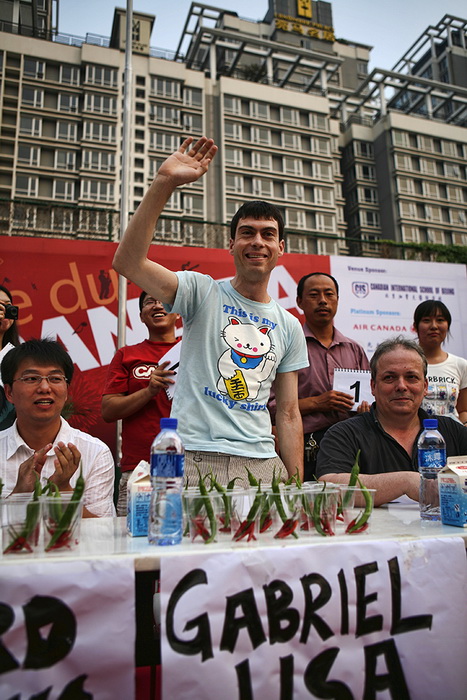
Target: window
[322, 196]
[325, 222]
[452, 170]
[192, 122]
[294, 192]
[408, 209]
[164, 115]
[34, 69]
[232, 105]
[97, 190]
[367, 172]
[261, 161]
[454, 194]
[64, 190]
[290, 116]
[293, 166]
[427, 166]
[259, 135]
[99, 75]
[402, 162]
[425, 143]
[320, 146]
[318, 121]
[430, 189]
[166, 88]
[65, 160]
[67, 103]
[233, 156]
[262, 188]
[61, 219]
[295, 218]
[368, 194]
[69, 75]
[102, 104]
[192, 97]
[259, 110]
[291, 140]
[400, 138]
[449, 148]
[29, 155]
[66, 131]
[372, 218]
[27, 186]
[163, 142]
[234, 183]
[365, 149]
[33, 98]
[193, 205]
[30, 126]
[233, 131]
[321, 171]
[410, 234]
[98, 131]
[99, 160]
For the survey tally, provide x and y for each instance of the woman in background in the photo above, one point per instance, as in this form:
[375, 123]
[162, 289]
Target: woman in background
[447, 373]
[8, 339]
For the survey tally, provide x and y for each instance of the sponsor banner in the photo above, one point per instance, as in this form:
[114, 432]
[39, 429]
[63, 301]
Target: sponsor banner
[377, 298]
[347, 620]
[68, 629]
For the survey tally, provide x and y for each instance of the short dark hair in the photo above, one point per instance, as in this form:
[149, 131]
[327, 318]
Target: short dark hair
[392, 344]
[429, 308]
[257, 210]
[11, 335]
[44, 351]
[301, 283]
[142, 297]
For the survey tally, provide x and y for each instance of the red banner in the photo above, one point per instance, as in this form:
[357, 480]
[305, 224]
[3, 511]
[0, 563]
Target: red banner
[68, 290]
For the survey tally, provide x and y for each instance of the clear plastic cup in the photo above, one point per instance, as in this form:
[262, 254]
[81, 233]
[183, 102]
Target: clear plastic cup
[21, 524]
[356, 505]
[61, 516]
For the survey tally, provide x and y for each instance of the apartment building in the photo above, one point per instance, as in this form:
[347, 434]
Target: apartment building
[350, 158]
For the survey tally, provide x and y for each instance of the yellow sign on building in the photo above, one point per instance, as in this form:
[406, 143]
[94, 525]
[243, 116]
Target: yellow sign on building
[304, 8]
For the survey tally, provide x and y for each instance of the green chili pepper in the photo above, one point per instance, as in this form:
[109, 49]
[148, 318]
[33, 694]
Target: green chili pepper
[246, 527]
[226, 499]
[206, 500]
[21, 541]
[352, 482]
[360, 523]
[62, 533]
[252, 480]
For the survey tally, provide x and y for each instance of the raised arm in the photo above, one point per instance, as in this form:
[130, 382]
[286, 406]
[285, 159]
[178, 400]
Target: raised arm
[187, 164]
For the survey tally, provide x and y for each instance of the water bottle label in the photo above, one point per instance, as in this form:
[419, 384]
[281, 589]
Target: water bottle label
[167, 465]
[432, 459]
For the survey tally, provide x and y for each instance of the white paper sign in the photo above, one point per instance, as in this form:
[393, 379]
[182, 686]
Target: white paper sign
[350, 620]
[172, 356]
[355, 382]
[68, 626]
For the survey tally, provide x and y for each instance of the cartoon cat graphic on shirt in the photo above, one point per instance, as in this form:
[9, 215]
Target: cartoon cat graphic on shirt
[248, 361]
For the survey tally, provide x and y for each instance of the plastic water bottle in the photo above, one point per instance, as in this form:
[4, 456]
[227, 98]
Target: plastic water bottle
[431, 458]
[167, 468]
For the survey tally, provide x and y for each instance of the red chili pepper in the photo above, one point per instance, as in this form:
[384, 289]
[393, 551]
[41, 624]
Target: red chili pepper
[267, 522]
[200, 529]
[64, 540]
[245, 529]
[351, 525]
[288, 528]
[17, 545]
[326, 526]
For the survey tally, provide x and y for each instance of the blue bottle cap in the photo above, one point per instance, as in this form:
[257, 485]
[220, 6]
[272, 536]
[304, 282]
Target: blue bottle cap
[169, 423]
[428, 423]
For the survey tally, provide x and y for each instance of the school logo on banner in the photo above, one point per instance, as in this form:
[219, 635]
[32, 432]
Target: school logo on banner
[360, 289]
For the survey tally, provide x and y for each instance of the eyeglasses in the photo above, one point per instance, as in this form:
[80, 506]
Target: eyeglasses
[149, 301]
[36, 379]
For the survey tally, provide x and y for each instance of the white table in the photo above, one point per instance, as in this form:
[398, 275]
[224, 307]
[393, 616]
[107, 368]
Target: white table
[107, 537]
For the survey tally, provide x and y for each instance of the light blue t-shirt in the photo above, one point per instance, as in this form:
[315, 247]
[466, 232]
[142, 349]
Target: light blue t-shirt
[232, 348]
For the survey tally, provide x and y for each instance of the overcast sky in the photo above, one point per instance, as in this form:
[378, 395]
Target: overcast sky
[390, 27]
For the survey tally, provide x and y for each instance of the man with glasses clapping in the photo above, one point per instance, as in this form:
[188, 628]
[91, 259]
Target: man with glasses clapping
[40, 443]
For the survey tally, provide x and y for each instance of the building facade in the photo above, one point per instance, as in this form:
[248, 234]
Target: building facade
[350, 158]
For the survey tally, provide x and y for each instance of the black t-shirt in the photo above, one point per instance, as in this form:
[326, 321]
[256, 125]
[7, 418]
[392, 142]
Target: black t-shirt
[380, 452]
